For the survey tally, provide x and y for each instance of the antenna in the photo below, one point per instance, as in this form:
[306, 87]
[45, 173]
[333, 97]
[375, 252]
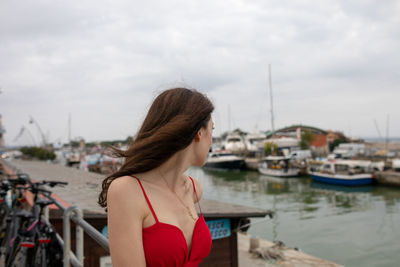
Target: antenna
[272, 107]
[377, 128]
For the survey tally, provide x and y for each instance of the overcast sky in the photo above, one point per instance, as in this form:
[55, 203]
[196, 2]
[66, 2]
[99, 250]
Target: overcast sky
[335, 64]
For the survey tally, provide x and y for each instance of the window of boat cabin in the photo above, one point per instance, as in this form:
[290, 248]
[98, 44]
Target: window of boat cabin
[341, 168]
[358, 169]
[326, 167]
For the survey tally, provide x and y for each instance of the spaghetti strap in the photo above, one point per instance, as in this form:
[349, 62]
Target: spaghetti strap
[147, 199]
[194, 187]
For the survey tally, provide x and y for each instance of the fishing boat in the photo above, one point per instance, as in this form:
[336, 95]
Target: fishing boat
[345, 172]
[278, 166]
[223, 159]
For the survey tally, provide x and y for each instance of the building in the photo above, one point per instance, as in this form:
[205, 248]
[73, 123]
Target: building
[319, 144]
[335, 135]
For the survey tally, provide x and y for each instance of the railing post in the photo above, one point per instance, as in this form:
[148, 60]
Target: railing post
[79, 237]
[73, 210]
[67, 235]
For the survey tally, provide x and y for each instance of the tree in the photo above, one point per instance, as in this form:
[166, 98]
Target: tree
[270, 147]
[306, 139]
[337, 142]
[38, 152]
[129, 140]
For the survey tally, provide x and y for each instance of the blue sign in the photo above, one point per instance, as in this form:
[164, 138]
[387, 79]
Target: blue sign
[219, 228]
[105, 231]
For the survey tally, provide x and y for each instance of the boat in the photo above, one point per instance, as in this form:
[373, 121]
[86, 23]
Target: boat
[234, 144]
[223, 159]
[345, 172]
[254, 143]
[254, 149]
[396, 165]
[278, 166]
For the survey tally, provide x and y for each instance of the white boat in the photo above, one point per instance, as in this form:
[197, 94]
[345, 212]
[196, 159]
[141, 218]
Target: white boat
[224, 160]
[349, 150]
[234, 144]
[254, 143]
[278, 166]
[285, 144]
[345, 172]
[396, 165]
[73, 158]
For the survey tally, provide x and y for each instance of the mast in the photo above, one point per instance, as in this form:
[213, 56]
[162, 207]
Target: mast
[69, 128]
[270, 93]
[387, 134]
[229, 118]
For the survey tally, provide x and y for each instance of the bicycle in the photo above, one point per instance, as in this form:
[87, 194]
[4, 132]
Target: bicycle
[30, 240]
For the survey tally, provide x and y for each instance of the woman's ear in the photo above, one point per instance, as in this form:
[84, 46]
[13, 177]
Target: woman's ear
[198, 136]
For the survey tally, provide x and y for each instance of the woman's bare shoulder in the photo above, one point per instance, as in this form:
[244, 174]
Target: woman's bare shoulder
[123, 184]
[125, 190]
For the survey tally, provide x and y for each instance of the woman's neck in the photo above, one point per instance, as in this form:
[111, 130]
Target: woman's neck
[172, 171]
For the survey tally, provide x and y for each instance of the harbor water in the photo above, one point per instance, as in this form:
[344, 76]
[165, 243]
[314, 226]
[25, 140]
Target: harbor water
[352, 226]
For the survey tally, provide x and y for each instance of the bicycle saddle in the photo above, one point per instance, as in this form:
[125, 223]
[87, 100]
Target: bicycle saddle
[44, 202]
[24, 214]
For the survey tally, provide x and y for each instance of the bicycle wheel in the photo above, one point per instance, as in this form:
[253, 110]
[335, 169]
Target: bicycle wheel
[55, 253]
[40, 257]
[19, 257]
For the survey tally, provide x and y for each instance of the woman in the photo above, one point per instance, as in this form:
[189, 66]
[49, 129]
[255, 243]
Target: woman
[150, 201]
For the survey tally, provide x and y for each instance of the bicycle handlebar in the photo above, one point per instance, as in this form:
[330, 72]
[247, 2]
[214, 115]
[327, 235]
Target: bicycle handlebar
[53, 183]
[18, 181]
[23, 179]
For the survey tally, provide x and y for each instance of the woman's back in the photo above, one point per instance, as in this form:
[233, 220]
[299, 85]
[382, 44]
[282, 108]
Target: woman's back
[165, 240]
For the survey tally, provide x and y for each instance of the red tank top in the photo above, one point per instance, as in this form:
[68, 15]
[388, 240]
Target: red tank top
[165, 245]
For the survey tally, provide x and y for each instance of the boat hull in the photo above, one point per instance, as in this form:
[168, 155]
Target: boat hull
[350, 180]
[279, 173]
[229, 164]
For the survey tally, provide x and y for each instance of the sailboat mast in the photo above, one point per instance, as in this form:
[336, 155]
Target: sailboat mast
[270, 93]
[229, 118]
[387, 134]
[69, 128]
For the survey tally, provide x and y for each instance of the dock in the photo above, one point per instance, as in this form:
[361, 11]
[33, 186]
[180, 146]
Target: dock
[389, 178]
[272, 255]
[230, 249]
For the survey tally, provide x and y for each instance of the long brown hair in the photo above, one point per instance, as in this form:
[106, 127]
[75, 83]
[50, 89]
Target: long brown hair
[171, 123]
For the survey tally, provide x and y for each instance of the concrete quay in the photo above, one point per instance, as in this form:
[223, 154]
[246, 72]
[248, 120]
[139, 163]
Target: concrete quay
[269, 254]
[389, 178]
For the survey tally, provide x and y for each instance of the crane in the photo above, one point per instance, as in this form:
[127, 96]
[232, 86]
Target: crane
[33, 121]
[21, 132]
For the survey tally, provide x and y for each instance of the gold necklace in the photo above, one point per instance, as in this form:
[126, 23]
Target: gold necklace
[180, 200]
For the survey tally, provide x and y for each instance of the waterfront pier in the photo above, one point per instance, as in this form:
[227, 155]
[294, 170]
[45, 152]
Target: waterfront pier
[388, 178]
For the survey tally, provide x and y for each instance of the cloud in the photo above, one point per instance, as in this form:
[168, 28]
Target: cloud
[334, 63]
